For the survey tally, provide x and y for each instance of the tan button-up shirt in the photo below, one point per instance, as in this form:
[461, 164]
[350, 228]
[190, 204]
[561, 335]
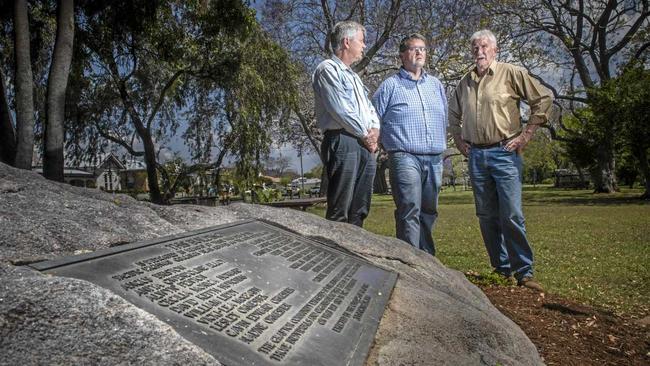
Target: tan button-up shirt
[485, 110]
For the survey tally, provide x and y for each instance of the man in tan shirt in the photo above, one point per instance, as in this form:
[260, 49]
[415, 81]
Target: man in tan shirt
[485, 122]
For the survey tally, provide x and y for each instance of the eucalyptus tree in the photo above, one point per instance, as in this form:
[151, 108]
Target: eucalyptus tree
[7, 124]
[238, 119]
[626, 99]
[205, 67]
[7, 129]
[139, 74]
[40, 71]
[23, 87]
[57, 82]
[582, 44]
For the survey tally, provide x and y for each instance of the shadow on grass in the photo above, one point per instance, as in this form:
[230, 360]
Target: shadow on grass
[548, 195]
[572, 197]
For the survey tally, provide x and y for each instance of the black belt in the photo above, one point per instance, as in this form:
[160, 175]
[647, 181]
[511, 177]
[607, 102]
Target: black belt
[490, 146]
[340, 131]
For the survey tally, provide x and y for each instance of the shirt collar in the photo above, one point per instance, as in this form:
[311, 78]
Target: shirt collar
[491, 69]
[340, 64]
[407, 75]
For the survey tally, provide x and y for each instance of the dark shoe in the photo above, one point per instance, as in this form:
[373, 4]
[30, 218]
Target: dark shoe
[531, 284]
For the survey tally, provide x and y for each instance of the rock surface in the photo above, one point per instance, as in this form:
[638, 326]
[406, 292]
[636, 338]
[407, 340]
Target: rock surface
[435, 316]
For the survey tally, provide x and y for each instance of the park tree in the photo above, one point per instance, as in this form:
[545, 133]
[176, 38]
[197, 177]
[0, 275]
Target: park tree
[582, 44]
[626, 99]
[206, 64]
[240, 118]
[57, 82]
[130, 83]
[7, 122]
[543, 156]
[52, 59]
[23, 88]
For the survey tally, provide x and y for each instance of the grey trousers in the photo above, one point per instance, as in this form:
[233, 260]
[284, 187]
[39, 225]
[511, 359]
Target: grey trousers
[351, 171]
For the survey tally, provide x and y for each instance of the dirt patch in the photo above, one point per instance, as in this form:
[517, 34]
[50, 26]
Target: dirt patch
[568, 333]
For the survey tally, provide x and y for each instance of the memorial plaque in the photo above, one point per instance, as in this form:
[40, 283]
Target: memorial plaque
[249, 293]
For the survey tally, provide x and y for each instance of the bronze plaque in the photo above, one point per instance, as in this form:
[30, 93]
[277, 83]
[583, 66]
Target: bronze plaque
[249, 293]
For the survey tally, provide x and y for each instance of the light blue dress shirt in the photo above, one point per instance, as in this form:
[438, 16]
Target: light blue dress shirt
[413, 113]
[341, 99]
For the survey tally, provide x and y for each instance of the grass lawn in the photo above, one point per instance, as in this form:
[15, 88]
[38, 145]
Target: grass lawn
[590, 248]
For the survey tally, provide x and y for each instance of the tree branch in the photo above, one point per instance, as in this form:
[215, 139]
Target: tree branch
[161, 98]
[393, 13]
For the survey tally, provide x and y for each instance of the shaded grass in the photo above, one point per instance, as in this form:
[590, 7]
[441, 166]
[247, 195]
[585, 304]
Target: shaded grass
[590, 248]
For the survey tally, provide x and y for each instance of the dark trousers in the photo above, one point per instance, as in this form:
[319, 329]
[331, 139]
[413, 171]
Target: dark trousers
[351, 171]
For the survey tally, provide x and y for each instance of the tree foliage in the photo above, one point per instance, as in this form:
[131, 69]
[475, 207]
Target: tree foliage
[624, 101]
[582, 44]
[208, 65]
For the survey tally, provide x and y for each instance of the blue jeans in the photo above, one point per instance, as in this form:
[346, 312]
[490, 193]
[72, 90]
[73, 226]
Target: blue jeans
[496, 176]
[415, 181]
[351, 172]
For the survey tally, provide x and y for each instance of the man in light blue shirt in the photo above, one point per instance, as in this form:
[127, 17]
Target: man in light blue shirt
[350, 125]
[412, 107]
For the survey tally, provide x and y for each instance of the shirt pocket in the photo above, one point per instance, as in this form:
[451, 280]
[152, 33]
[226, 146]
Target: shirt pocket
[502, 99]
[348, 89]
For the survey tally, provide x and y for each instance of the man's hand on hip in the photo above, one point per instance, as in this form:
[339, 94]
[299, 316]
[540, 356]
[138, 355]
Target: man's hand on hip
[519, 143]
[462, 145]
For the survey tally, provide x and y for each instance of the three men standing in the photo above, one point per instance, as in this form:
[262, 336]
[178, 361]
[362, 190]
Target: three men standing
[484, 120]
[350, 125]
[413, 109]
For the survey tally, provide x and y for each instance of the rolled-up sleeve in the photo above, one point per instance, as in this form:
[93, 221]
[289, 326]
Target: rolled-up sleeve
[538, 97]
[338, 100]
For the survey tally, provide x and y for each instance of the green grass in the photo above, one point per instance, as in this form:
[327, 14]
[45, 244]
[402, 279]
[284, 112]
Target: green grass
[590, 248]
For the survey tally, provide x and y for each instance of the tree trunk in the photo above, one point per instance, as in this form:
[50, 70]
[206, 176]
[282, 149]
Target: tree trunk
[24, 88]
[217, 167]
[152, 173]
[603, 173]
[56, 86]
[640, 153]
[380, 185]
[7, 132]
[583, 184]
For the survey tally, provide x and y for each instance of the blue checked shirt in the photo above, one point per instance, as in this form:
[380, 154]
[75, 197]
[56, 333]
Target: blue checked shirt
[413, 114]
[341, 100]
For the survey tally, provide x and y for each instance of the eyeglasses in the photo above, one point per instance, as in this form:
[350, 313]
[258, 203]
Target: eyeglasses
[415, 49]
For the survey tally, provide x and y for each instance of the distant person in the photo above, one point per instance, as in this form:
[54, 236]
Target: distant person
[225, 193]
[484, 120]
[412, 107]
[350, 126]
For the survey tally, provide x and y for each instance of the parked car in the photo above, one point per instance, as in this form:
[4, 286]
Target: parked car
[314, 191]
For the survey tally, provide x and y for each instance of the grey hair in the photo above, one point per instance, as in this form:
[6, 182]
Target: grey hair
[484, 33]
[342, 30]
[403, 44]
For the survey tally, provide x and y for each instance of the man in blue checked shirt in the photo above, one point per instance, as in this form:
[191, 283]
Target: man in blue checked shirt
[412, 107]
[350, 125]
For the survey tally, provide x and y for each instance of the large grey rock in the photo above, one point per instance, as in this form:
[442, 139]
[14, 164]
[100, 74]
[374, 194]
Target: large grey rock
[434, 317]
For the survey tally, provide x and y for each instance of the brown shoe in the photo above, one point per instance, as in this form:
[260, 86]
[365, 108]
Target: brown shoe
[531, 284]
